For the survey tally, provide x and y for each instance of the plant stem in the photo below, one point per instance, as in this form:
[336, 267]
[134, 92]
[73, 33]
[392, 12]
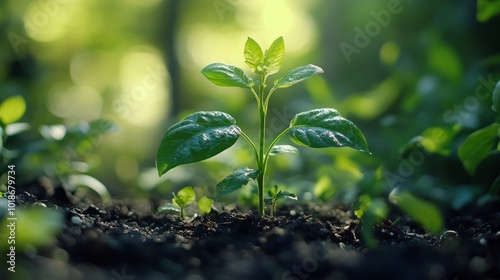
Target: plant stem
[262, 144]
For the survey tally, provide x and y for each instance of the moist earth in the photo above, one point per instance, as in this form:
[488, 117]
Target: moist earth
[128, 239]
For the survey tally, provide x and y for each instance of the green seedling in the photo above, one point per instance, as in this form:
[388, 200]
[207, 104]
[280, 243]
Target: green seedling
[184, 197]
[275, 195]
[204, 134]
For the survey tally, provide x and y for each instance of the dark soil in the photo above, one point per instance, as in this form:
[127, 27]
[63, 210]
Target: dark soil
[126, 240]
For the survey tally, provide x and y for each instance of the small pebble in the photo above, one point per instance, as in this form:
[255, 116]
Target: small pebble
[76, 220]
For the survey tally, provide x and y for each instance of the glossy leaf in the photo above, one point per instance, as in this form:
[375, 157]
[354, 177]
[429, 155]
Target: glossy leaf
[322, 128]
[496, 97]
[184, 197]
[274, 56]
[205, 205]
[254, 57]
[297, 75]
[477, 146]
[12, 109]
[283, 149]
[426, 213]
[226, 75]
[197, 137]
[235, 181]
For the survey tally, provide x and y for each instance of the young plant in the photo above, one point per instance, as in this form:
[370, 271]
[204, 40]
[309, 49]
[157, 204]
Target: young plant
[275, 195]
[204, 134]
[186, 196]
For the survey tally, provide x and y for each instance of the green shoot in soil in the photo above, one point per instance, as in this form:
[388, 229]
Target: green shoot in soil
[204, 134]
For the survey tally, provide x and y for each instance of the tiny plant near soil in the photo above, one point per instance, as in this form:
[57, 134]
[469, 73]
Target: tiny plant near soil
[204, 134]
[275, 195]
[184, 197]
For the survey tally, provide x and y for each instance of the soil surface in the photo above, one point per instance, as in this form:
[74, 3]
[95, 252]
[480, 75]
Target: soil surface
[127, 240]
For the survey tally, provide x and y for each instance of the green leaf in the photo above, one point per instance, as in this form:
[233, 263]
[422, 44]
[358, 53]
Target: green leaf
[496, 98]
[205, 205]
[226, 76]
[169, 207]
[274, 56]
[321, 128]
[283, 149]
[91, 183]
[426, 213]
[254, 57]
[297, 75]
[285, 194]
[235, 180]
[478, 146]
[487, 9]
[184, 197]
[12, 109]
[197, 137]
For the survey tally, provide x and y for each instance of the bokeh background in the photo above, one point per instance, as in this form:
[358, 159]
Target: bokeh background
[398, 69]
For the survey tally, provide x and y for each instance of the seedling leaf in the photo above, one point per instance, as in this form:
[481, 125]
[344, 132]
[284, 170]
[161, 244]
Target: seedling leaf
[283, 149]
[477, 146]
[274, 56]
[205, 205]
[297, 75]
[285, 194]
[254, 57]
[184, 197]
[199, 136]
[235, 181]
[321, 128]
[226, 76]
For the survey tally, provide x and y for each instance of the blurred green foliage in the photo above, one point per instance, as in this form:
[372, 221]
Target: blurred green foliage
[422, 69]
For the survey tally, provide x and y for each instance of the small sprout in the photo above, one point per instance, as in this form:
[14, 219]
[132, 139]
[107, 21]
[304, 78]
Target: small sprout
[205, 205]
[275, 195]
[183, 198]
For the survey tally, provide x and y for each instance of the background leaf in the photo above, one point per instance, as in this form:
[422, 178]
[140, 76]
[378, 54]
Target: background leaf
[226, 75]
[12, 109]
[254, 57]
[496, 97]
[283, 149]
[426, 213]
[478, 146]
[297, 75]
[321, 128]
[197, 137]
[235, 180]
[274, 56]
[169, 207]
[487, 9]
